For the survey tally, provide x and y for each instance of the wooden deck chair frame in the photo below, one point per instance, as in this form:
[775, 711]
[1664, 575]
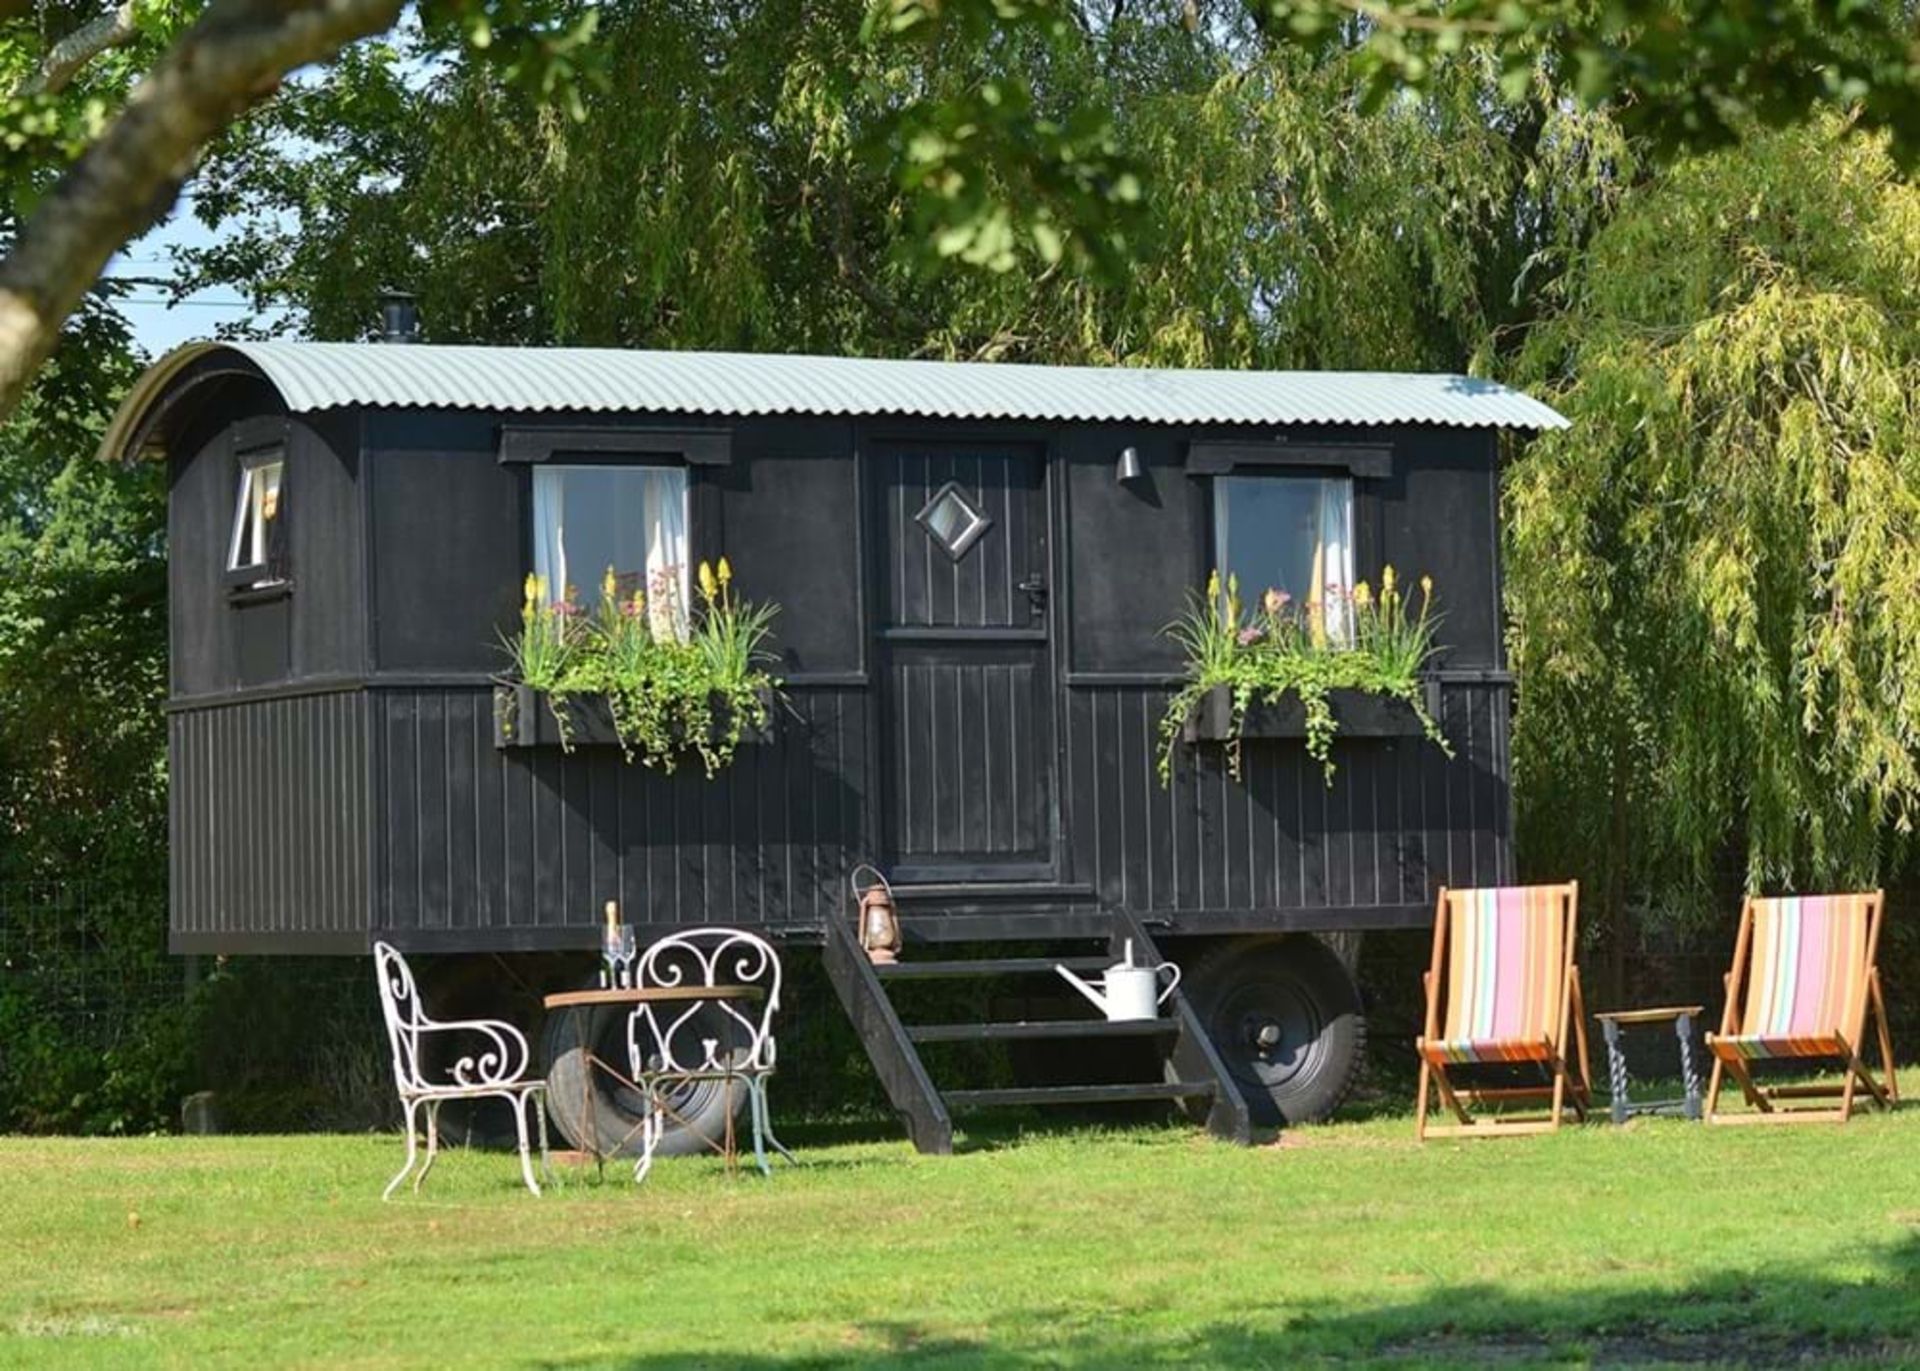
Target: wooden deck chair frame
[1764, 1100]
[1565, 1091]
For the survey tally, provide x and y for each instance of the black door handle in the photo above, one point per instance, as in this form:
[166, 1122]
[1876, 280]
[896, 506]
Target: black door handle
[1036, 588]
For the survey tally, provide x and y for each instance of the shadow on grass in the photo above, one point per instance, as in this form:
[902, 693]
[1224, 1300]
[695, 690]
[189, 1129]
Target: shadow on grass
[1765, 1318]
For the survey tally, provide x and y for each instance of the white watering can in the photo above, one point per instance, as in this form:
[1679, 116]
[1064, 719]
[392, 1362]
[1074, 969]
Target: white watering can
[1130, 991]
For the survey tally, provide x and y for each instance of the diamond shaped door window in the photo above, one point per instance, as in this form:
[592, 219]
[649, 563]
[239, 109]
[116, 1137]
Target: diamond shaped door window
[952, 520]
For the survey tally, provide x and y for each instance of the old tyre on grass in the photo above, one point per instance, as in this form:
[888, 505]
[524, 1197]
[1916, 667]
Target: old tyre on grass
[593, 1111]
[1285, 1016]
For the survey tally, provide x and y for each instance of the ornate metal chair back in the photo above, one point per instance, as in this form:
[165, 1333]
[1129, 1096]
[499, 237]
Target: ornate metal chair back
[400, 1007]
[677, 1035]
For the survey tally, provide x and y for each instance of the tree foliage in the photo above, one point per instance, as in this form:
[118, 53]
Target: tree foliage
[1715, 573]
[731, 186]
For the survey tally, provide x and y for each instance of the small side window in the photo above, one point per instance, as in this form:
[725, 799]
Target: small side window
[256, 554]
[1293, 534]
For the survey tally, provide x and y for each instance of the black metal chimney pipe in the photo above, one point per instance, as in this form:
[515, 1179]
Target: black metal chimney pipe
[399, 317]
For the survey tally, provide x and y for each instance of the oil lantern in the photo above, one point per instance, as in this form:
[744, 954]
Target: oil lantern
[879, 923]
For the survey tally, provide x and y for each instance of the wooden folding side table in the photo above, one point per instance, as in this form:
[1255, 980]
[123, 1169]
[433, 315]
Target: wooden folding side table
[1681, 1017]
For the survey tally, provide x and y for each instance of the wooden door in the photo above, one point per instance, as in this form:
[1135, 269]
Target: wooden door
[965, 664]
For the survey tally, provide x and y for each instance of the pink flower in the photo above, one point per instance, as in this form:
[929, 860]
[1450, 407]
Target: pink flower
[1250, 636]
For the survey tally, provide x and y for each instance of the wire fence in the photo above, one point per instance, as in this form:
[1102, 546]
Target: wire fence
[92, 959]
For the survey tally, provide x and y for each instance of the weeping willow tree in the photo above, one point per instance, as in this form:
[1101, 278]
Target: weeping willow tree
[735, 183]
[1714, 576]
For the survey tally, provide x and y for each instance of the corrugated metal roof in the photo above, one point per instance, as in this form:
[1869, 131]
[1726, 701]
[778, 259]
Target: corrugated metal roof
[319, 376]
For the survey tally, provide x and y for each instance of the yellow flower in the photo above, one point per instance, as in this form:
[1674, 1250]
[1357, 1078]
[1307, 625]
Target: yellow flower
[1213, 586]
[1363, 595]
[533, 589]
[708, 587]
[1274, 601]
[726, 572]
[609, 587]
[1426, 586]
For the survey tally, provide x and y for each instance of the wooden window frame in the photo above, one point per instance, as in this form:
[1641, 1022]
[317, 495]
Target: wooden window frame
[1366, 464]
[1361, 461]
[258, 444]
[580, 446]
[706, 453]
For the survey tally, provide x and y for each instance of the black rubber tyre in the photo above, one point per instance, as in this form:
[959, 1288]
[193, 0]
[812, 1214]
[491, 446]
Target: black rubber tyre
[1286, 1017]
[610, 1125]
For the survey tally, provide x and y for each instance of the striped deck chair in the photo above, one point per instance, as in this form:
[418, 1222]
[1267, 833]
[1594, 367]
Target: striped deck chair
[1504, 960]
[1803, 979]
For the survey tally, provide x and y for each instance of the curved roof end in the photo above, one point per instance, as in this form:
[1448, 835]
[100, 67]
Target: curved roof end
[131, 432]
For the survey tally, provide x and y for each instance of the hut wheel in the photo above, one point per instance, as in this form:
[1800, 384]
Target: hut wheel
[1286, 1017]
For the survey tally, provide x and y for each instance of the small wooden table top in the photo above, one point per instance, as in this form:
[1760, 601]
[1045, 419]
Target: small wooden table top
[651, 994]
[1651, 1015]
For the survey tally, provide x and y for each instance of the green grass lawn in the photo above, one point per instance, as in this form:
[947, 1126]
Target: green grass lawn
[1348, 1245]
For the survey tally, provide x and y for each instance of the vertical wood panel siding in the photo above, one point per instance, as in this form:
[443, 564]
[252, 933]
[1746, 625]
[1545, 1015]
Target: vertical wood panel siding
[965, 693]
[1399, 819]
[964, 736]
[925, 588]
[471, 837]
[268, 817]
[273, 838]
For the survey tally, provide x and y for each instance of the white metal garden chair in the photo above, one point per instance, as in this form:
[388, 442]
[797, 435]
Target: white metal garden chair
[493, 1065]
[673, 1042]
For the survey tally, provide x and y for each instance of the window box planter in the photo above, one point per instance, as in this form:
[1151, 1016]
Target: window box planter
[1359, 714]
[522, 717]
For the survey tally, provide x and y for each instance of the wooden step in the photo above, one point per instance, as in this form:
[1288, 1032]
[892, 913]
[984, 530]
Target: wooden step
[1077, 1094]
[1057, 1028]
[989, 966]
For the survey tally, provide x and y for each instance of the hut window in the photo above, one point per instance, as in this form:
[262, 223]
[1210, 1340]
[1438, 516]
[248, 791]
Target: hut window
[1290, 533]
[256, 554]
[630, 519]
[951, 520]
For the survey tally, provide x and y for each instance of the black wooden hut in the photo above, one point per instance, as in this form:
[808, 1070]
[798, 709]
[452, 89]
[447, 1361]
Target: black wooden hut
[974, 565]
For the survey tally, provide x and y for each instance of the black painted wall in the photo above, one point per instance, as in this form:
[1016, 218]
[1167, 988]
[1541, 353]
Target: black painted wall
[392, 812]
[219, 642]
[1136, 551]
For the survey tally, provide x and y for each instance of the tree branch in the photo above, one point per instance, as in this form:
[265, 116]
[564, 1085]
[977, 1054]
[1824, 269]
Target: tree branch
[110, 30]
[229, 61]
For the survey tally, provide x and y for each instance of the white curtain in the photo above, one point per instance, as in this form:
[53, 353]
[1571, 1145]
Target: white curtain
[628, 517]
[1336, 555]
[666, 505]
[549, 529]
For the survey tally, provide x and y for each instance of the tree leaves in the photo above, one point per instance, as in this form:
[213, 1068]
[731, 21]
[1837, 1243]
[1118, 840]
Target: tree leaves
[1722, 558]
[1682, 75]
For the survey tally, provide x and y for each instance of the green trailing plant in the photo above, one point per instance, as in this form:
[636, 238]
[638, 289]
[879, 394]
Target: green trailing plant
[1357, 641]
[673, 681]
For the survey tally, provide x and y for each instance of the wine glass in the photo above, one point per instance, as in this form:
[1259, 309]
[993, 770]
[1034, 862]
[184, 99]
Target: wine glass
[624, 956]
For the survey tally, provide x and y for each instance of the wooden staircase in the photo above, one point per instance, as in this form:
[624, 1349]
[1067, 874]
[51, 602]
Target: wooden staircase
[1190, 1069]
